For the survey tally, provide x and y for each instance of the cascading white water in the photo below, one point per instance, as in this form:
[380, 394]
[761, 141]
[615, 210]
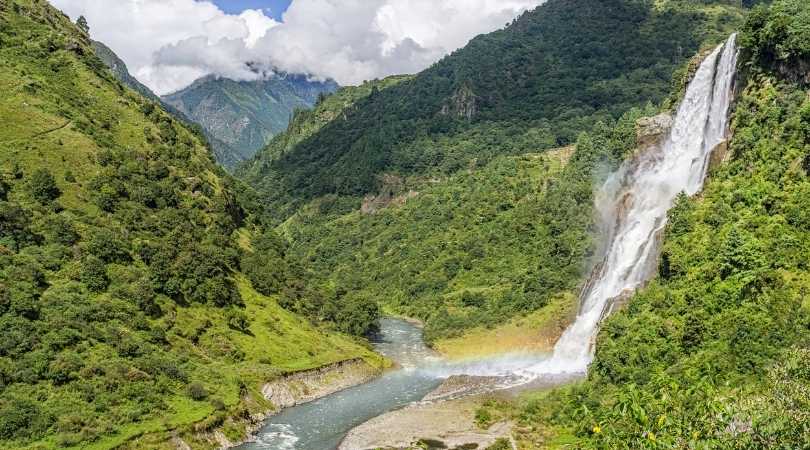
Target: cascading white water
[634, 202]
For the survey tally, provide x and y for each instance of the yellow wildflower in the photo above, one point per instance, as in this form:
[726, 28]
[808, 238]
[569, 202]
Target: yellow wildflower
[651, 436]
[597, 429]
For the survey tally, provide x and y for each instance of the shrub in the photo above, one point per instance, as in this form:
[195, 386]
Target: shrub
[94, 273]
[42, 186]
[20, 418]
[196, 391]
[238, 320]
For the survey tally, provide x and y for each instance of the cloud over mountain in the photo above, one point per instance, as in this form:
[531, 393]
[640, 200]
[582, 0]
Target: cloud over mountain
[170, 43]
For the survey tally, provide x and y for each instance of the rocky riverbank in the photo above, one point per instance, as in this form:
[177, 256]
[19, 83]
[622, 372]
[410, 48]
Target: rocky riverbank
[285, 392]
[451, 424]
[446, 418]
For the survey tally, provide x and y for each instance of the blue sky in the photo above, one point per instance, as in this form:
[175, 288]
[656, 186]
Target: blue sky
[276, 7]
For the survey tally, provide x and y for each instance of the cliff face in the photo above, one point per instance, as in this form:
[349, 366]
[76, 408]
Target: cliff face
[796, 71]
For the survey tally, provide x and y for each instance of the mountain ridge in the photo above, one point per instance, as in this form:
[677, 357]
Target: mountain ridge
[552, 73]
[245, 115]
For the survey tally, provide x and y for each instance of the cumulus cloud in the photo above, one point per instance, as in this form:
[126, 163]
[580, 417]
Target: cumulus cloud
[169, 43]
[139, 30]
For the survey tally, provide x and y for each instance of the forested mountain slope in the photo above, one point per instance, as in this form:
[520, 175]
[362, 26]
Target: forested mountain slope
[306, 122]
[245, 115]
[715, 353]
[119, 68]
[468, 234]
[123, 311]
[536, 84]
[223, 153]
[473, 249]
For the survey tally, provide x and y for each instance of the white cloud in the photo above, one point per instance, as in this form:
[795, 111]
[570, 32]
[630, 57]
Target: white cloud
[169, 43]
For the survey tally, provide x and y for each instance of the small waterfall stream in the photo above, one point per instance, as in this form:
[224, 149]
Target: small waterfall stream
[634, 201]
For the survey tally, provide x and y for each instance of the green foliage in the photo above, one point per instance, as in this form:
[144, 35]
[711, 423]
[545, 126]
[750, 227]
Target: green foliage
[551, 74]
[197, 392]
[472, 250]
[119, 298]
[81, 23]
[713, 353]
[500, 444]
[42, 186]
[778, 33]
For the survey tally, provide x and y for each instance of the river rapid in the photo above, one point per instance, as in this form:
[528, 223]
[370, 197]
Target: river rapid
[322, 424]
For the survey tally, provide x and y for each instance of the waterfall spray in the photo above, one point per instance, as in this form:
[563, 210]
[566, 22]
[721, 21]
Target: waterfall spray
[634, 201]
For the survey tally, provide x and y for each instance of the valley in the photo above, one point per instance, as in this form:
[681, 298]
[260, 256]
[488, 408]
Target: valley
[585, 229]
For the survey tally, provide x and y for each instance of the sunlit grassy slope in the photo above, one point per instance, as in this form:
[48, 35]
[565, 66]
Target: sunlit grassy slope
[122, 311]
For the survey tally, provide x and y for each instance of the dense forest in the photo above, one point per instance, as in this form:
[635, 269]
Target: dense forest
[139, 296]
[554, 72]
[468, 233]
[714, 352]
[476, 248]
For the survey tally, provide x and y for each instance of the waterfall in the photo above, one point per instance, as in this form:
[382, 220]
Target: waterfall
[634, 201]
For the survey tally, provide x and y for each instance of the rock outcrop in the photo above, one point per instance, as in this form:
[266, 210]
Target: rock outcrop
[463, 104]
[303, 387]
[651, 130]
[719, 155]
[391, 193]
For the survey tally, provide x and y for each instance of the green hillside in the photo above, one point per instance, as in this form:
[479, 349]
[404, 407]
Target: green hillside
[123, 312]
[473, 249]
[119, 69]
[245, 115]
[304, 124]
[464, 222]
[714, 353]
[552, 73]
[223, 153]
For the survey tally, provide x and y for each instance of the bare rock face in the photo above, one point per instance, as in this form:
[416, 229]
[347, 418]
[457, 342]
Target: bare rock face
[719, 155]
[391, 193]
[306, 386]
[463, 104]
[797, 71]
[650, 130]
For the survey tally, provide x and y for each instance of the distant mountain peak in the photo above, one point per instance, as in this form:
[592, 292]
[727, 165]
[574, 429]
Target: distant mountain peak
[243, 115]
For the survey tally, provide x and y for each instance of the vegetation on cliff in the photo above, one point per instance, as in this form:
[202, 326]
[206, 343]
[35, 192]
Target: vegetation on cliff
[714, 352]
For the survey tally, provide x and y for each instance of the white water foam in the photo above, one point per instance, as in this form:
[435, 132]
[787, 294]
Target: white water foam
[634, 202]
[278, 437]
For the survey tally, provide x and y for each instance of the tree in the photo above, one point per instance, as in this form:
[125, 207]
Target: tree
[4, 190]
[81, 22]
[94, 274]
[42, 186]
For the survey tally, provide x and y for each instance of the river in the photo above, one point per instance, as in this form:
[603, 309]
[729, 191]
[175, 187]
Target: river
[322, 424]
